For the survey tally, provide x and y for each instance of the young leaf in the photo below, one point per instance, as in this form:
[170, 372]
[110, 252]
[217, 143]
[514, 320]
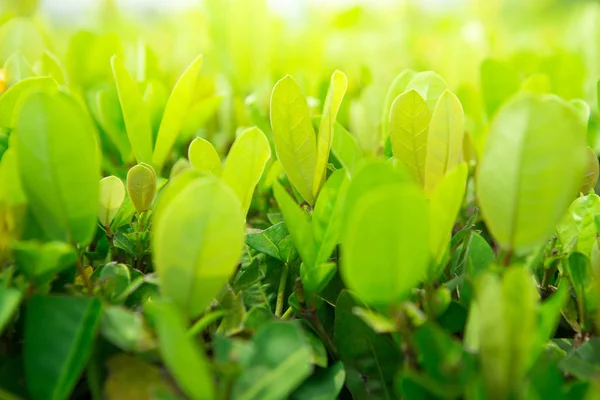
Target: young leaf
[9, 99]
[499, 81]
[185, 361]
[40, 262]
[141, 186]
[408, 121]
[397, 87]
[430, 86]
[196, 241]
[591, 174]
[64, 200]
[16, 68]
[531, 169]
[10, 298]
[112, 194]
[577, 229]
[175, 111]
[333, 101]
[245, 164]
[135, 114]
[444, 140]
[294, 135]
[346, 150]
[387, 229]
[204, 157]
[59, 334]
[49, 65]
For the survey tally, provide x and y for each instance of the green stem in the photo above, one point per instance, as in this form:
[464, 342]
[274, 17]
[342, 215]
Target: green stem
[84, 277]
[204, 322]
[287, 314]
[281, 290]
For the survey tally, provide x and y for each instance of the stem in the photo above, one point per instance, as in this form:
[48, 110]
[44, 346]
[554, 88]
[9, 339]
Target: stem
[204, 322]
[507, 256]
[310, 314]
[84, 277]
[281, 290]
[287, 314]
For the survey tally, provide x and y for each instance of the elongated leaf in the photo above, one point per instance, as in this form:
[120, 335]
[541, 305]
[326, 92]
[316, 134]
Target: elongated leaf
[204, 157]
[49, 65]
[9, 99]
[279, 364]
[112, 194]
[346, 150]
[141, 186]
[183, 358]
[135, 114]
[10, 298]
[59, 333]
[531, 169]
[175, 111]
[409, 121]
[444, 206]
[577, 230]
[326, 384]
[245, 164]
[429, 85]
[397, 87]
[591, 174]
[387, 229]
[196, 242]
[55, 134]
[110, 118]
[444, 140]
[294, 135]
[333, 101]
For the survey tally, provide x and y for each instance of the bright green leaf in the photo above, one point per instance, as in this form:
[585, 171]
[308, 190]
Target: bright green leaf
[141, 186]
[204, 157]
[112, 194]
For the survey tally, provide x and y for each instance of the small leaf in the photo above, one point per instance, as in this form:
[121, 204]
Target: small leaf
[112, 194]
[204, 157]
[591, 174]
[294, 135]
[125, 329]
[40, 262]
[577, 229]
[325, 384]
[10, 298]
[10, 98]
[175, 111]
[141, 186]
[270, 241]
[397, 87]
[245, 164]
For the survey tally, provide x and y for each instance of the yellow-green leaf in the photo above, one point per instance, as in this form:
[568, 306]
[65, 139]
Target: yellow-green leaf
[591, 173]
[204, 157]
[197, 239]
[135, 113]
[141, 186]
[9, 99]
[430, 86]
[294, 136]
[245, 164]
[408, 121]
[577, 229]
[444, 140]
[112, 194]
[531, 169]
[175, 112]
[333, 101]
[397, 87]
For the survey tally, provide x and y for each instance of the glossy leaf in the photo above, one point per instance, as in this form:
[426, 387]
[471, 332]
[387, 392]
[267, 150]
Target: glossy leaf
[135, 114]
[141, 186]
[197, 240]
[175, 111]
[64, 200]
[245, 164]
[430, 86]
[59, 334]
[204, 157]
[337, 89]
[112, 194]
[531, 169]
[409, 121]
[9, 99]
[577, 230]
[294, 136]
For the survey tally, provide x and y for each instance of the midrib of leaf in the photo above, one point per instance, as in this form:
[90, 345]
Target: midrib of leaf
[414, 135]
[272, 375]
[379, 370]
[515, 200]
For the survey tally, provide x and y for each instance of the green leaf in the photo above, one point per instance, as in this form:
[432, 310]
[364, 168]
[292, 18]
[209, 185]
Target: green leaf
[444, 140]
[184, 360]
[298, 224]
[325, 384]
[379, 323]
[280, 362]
[397, 87]
[499, 81]
[271, 241]
[112, 195]
[577, 230]
[346, 150]
[294, 135]
[130, 377]
[175, 111]
[141, 186]
[370, 360]
[429, 85]
[16, 69]
[21, 34]
[40, 262]
[49, 65]
[444, 206]
[10, 98]
[135, 114]
[110, 119]
[113, 278]
[125, 329]
[409, 121]
[10, 298]
[204, 157]
[532, 166]
[197, 239]
[63, 199]
[591, 174]
[333, 101]
[245, 164]
[387, 229]
[59, 334]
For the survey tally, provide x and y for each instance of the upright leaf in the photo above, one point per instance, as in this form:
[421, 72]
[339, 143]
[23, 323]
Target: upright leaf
[59, 334]
[397, 87]
[175, 111]
[294, 135]
[197, 239]
[9, 99]
[408, 121]
[135, 114]
[10, 298]
[245, 164]
[141, 186]
[531, 169]
[499, 81]
[429, 85]
[112, 194]
[346, 150]
[204, 157]
[444, 140]
[333, 101]
[55, 134]
[592, 171]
